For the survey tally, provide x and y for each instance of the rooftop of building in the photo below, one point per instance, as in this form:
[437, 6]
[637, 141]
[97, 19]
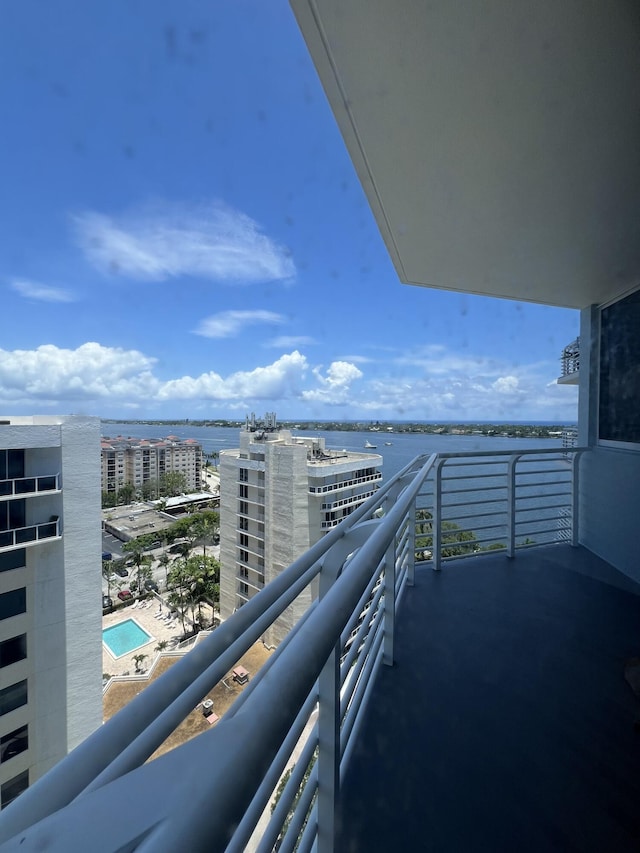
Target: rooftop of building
[121, 442]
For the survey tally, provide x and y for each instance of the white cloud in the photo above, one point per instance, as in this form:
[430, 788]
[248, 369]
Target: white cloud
[287, 341]
[358, 359]
[335, 386]
[154, 244]
[41, 292]
[506, 385]
[111, 380]
[105, 376]
[227, 324]
[275, 381]
[91, 371]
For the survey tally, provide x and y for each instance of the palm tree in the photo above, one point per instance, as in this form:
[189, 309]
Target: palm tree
[162, 645]
[107, 571]
[134, 547]
[137, 659]
[164, 561]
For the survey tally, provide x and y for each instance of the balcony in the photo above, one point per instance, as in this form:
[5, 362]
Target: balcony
[570, 364]
[32, 535]
[27, 487]
[480, 706]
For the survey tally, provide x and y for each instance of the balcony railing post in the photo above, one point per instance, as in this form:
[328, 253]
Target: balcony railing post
[511, 505]
[436, 523]
[575, 498]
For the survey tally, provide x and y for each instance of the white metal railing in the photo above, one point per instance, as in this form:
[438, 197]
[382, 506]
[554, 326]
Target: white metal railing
[570, 358]
[345, 484]
[24, 487]
[213, 792]
[21, 536]
[481, 501]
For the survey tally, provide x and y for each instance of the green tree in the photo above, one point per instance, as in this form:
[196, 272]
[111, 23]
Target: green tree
[135, 548]
[204, 526]
[164, 561]
[126, 493]
[172, 483]
[107, 571]
[108, 500]
[149, 490]
[162, 645]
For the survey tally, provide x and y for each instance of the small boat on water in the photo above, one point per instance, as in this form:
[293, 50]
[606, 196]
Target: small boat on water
[388, 443]
[370, 446]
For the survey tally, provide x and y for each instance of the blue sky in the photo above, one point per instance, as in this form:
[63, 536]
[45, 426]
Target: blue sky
[183, 235]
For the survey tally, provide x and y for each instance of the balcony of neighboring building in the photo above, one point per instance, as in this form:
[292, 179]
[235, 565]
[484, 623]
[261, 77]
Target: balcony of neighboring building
[570, 364]
[47, 529]
[28, 487]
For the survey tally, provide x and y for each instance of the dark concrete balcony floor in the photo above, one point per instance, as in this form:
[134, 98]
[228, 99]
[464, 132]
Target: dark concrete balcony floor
[506, 723]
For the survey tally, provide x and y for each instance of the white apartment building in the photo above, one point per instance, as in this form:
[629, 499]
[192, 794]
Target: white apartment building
[141, 460]
[278, 495]
[50, 586]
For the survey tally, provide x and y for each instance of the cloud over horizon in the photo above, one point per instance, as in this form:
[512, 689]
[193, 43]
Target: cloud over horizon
[108, 380]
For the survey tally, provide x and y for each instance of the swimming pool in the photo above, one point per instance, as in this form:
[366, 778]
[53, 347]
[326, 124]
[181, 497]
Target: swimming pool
[125, 637]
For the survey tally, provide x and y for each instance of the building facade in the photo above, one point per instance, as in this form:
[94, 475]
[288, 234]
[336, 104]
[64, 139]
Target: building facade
[138, 461]
[278, 495]
[50, 586]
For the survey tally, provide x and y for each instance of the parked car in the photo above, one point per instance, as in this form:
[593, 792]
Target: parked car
[107, 555]
[151, 585]
[120, 570]
[124, 595]
[106, 602]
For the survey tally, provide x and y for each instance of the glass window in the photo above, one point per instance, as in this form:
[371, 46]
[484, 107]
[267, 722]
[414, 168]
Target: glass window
[13, 697]
[10, 790]
[13, 560]
[12, 603]
[619, 405]
[14, 743]
[13, 650]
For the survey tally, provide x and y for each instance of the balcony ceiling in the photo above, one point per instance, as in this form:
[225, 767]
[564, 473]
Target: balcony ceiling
[498, 142]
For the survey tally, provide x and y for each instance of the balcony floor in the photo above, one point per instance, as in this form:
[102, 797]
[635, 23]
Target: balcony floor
[506, 723]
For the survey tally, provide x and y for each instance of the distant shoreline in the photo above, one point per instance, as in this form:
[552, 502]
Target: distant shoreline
[531, 429]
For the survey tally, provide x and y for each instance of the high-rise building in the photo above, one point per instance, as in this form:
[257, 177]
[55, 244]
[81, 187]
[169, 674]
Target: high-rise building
[279, 493]
[140, 460]
[50, 586]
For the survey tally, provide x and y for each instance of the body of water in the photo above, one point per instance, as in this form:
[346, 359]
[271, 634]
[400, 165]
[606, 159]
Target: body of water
[404, 446]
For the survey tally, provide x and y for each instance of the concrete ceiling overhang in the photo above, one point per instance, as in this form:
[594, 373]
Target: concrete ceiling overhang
[498, 141]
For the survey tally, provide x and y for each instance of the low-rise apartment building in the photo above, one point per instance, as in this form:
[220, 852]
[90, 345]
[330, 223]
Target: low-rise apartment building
[143, 460]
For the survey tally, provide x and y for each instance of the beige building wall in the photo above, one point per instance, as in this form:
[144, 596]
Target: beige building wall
[279, 494]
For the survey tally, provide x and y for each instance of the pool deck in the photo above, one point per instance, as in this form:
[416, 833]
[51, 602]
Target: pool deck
[157, 628]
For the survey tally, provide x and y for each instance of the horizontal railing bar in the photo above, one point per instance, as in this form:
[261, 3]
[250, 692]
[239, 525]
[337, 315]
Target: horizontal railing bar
[362, 650]
[544, 509]
[352, 652]
[353, 720]
[247, 825]
[303, 807]
[546, 495]
[287, 797]
[506, 454]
